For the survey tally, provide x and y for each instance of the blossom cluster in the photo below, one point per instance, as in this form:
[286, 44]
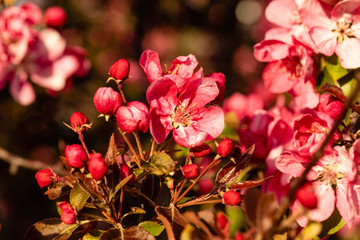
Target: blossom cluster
[31, 48]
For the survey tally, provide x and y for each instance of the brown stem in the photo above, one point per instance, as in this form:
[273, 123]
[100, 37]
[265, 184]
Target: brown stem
[144, 196]
[121, 202]
[213, 163]
[81, 138]
[137, 160]
[122, 93]
[17, 161]
[138, 142]
[177, 192]
[113, 222]
[287, 200]
[151, 149]
[198, 203]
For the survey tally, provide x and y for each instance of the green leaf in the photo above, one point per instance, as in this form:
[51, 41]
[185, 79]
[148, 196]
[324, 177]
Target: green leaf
[161, 164]
[153, 228]
[311, 231]
[93, 235]
[185, 199]
[78, 197]
[334, 69]
[50, 229]
[236, 217]
[131, 233]
[333, 224]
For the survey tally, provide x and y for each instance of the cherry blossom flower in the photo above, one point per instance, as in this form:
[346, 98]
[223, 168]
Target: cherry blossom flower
[186, 116]
[334, 29]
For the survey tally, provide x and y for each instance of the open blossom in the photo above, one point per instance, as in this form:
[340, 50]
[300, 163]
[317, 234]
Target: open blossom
[334, 29]
[335, 168]
[28, 53]
[185, 115]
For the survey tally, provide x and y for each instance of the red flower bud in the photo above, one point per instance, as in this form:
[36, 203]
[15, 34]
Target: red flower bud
[201, 151]
[133, 117]
[75, 155]
[126, 171]
[232, 198]
[107, 100]
[239, 236]
[221, 220]
[45, 177]
[120, 70]
[55, 16]
[68, 215]
[330, 105]
[306, 196]
[97, 166]
[191, 171]
[205, 186]
[225, 148]
[79, 122]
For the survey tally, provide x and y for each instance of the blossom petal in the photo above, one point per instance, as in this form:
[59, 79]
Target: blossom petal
[150, 62]
[162, 95]
[270, 50]
[285, 7]
[290, 163]
[212, 121]
[21, 89]
[349, 52]
[189, 136]
[184, 66]
[157, 129]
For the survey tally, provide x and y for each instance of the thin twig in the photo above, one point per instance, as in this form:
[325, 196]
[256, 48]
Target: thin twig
[198, 203]
[213, 163]
[138, 142]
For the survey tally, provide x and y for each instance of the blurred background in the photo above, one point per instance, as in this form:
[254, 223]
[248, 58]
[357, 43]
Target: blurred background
[220, 33]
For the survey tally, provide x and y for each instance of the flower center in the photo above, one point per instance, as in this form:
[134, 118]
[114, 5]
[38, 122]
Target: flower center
[343, 29]
[182, 115]
[330, 175]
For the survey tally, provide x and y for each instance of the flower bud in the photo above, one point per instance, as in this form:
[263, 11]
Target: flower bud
[75, 155]
[107, 101]
[79, 122]
[191, 171]
[120, 70]
[201, 150]
[330, 105]
[133, 117]
[55, 17]
[232, 198]
[221, 220]
[239, 236]
[306, 196]
[225, 148]
[68, 215]
[126, 171]
[97, 166]
[45, 177]
[205, 186]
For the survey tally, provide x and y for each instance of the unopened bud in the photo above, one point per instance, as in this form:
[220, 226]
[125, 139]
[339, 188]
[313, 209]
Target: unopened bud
[191, 171]
[126, 171]
[201, 151]
[45, 177]
[225, 148]
[133, 117]
[97, 166]
[107, 101]
[306, 196]
[55, 17]
[231, 198]
[120, 70]
[75, 155]
[79, 122]
[68, 215]
[330, 105]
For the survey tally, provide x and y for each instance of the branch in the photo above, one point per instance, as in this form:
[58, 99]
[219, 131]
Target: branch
[17, 161]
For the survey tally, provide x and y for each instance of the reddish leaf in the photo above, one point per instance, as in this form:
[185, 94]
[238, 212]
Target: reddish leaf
[50, 229]
[334, 90]
[131, 233]
[173, 221]
[110, 157]
[231, 171]
[247, 184]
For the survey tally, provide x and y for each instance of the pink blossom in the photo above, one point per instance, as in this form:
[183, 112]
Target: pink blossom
[335, 168]
[181, 70]
[243, 105]
[133, 117]
[186, 116]
[288, 23]
[310, 130]
[334, 30]
[330, 105]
